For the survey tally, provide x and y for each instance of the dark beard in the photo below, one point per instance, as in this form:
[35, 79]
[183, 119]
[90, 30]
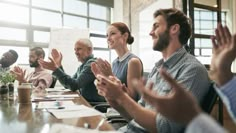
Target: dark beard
[163, 41]
[34, 64]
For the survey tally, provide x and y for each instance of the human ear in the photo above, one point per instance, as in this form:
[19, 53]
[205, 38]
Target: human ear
[175, 28]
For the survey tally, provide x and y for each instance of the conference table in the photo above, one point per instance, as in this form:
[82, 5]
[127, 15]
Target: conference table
[25, 118]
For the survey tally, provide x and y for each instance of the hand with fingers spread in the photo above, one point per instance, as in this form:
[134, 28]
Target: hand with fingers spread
[57, 57]
[102, 67]
[179, 105]
[224, 52]
[50, 65]
[19, 73]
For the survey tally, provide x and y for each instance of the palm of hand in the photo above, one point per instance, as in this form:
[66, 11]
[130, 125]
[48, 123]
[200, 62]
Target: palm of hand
[20, 74]
[220, 58]
[57, 57]
[51, 65]
[224, 52]
[106, 71]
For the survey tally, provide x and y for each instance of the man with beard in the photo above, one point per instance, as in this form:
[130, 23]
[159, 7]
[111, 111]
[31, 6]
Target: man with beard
[7, 59]
[170, 32]
[40, 78]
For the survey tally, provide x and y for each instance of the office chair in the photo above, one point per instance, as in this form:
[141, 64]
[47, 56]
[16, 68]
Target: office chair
[54, 80]
[209, 99]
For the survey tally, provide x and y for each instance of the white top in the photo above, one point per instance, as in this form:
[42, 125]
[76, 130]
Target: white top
[204, 124]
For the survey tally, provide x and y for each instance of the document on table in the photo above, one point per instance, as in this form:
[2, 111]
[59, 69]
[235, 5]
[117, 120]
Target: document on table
[57, 89]
[54, 97]
[74, 112]
[63, 96]
[62, 128]
[55, 104]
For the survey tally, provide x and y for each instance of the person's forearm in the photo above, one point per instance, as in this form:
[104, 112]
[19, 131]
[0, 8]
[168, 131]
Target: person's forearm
[142, 116]
[42, 85]
[65, 80]
[120, 109]
[223, 78]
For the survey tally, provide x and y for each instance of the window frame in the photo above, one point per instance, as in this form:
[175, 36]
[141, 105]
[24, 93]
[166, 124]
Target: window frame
[29, 42]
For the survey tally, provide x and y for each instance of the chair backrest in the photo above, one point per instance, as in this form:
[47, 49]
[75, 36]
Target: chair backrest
[54, 80]
[209, 100]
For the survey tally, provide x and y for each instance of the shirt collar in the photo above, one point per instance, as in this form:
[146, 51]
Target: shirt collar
[89, 57]
[124, 56]
[173, 59]
[38, 69]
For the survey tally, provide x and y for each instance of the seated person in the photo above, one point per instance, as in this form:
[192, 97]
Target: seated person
[83, 79]
[126, 66]
[8, 58]
[40, 78]
[170, 32]
[189, 112]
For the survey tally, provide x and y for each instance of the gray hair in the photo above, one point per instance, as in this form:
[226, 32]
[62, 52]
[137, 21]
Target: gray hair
[86, 42]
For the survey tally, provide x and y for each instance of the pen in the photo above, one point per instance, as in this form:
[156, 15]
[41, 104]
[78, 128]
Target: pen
[100, 123]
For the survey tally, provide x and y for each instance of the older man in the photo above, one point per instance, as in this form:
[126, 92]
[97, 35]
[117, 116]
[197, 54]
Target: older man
[83, 79]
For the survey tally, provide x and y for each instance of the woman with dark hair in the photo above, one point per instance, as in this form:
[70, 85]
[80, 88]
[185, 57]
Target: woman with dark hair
[126, 66]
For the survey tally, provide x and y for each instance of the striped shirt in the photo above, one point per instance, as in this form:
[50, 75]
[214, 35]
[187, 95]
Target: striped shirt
[228, 95]
[188, 71]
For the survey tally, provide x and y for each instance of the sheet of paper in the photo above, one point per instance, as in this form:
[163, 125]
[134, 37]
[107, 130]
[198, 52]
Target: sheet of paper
[62, 128]
[55, 104]
[63, 96]
[74, 112]
[57, 89]
[38, 99]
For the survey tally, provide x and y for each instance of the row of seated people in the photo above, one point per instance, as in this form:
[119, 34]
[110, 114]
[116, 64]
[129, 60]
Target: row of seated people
[98, 81]
[171, 31]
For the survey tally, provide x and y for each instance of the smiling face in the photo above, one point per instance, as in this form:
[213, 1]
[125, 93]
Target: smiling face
[160, 34]
[114, 37]
[82, 51]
